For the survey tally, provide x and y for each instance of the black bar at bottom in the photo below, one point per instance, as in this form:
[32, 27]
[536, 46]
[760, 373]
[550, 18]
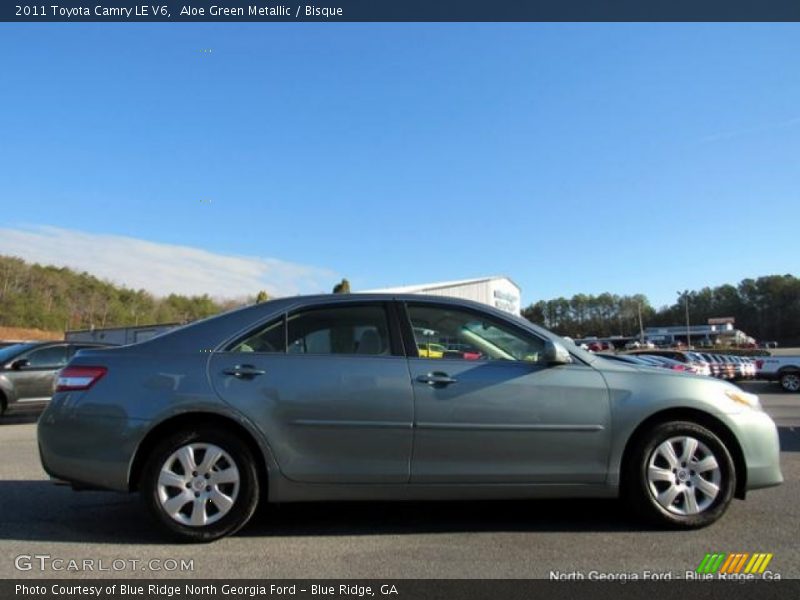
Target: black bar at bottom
[405, 589]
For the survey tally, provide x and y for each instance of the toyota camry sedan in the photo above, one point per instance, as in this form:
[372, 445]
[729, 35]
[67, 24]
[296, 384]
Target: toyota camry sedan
[330, 398]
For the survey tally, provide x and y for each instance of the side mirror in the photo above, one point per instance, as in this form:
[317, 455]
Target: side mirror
[20, 363]
[556, 354]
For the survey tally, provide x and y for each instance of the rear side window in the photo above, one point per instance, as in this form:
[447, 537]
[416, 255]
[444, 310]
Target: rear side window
[270, 338]
[53, 356]
[359, 330]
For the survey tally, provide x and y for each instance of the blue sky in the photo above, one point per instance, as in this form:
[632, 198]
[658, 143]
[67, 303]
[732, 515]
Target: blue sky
[572, 157]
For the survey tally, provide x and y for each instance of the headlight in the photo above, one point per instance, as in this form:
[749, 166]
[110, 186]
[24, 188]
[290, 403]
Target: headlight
[740, 397]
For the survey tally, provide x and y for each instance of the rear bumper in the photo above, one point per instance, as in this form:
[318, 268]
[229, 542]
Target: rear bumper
[88, 451]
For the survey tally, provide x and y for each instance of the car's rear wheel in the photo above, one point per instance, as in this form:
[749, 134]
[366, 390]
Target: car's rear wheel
[790, 381]
[201, 484]
[680, 475]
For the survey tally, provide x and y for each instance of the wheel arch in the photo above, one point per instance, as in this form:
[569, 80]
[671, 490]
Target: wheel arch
[7, 393]
[704, 419]
[189, 420]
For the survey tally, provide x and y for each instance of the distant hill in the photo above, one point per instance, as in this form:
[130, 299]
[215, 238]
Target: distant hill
[55, 299]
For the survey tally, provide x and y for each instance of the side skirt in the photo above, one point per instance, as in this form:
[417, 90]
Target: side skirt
[283, 490]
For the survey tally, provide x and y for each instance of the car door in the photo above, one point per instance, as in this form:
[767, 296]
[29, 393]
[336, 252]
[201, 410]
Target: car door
[499, 414]
[329, 387]
[36, 377]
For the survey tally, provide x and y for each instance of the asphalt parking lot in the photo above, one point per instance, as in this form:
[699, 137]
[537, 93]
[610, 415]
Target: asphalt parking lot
[520, 539]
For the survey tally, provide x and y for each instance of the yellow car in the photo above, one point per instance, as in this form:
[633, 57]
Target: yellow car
[431, 350]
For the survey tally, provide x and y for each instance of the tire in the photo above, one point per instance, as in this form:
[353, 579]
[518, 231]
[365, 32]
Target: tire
[790, 381]
[663, 488]
[215, 498]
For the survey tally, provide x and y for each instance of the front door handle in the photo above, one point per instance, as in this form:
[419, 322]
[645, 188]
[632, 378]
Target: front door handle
[244, 371]
[435, 379]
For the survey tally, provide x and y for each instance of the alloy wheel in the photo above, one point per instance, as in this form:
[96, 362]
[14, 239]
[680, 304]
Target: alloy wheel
[198, 484]
[684, 476]
[791, 382]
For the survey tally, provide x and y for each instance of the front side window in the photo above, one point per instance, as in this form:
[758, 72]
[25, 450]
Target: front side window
[360, 330]
[442, 332]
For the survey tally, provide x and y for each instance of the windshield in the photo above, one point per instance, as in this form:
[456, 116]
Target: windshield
[11, 351]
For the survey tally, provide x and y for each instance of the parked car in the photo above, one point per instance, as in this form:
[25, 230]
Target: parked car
[719, 368]
[785, 369]
[698, 364]
[327, 397]
[658, 362]
[668, 363]
[693, 361]
[600, 346]
[726, 369]
[431, 350]
[464, 351]
[28, 370]
[730, 366]
[744, 367]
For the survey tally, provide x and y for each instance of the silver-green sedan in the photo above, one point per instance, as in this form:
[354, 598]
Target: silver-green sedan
[328, 397]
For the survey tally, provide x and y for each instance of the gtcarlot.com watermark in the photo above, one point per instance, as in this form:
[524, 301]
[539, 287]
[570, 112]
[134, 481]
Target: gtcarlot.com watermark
[47, 563]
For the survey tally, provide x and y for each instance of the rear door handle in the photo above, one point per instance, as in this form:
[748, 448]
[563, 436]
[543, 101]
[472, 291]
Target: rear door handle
[435, 379]
[244, 371]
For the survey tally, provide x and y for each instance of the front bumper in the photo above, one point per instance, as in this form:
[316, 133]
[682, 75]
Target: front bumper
[758, 437]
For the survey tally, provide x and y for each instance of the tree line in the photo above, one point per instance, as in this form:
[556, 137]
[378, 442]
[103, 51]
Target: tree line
[766, 308]
[59, 299]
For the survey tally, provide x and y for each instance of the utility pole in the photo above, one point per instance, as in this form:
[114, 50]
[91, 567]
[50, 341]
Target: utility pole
[685, 296]
[641, 328]
[688, 326]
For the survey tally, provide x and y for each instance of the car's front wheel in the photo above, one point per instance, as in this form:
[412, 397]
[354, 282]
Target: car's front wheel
[201, 484]
[790, 381]
[681, 475]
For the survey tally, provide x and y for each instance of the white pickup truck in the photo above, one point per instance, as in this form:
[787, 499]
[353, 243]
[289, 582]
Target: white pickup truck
[785, 369]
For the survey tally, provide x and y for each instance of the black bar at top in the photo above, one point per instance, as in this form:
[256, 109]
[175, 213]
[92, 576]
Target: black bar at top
[404, 11]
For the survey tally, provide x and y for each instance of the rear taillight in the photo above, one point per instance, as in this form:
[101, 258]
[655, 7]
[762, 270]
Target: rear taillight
[679, 368]
[759, 364]
[79, 378]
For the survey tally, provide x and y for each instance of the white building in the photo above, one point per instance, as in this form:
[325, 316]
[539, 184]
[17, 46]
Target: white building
[497, 291]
